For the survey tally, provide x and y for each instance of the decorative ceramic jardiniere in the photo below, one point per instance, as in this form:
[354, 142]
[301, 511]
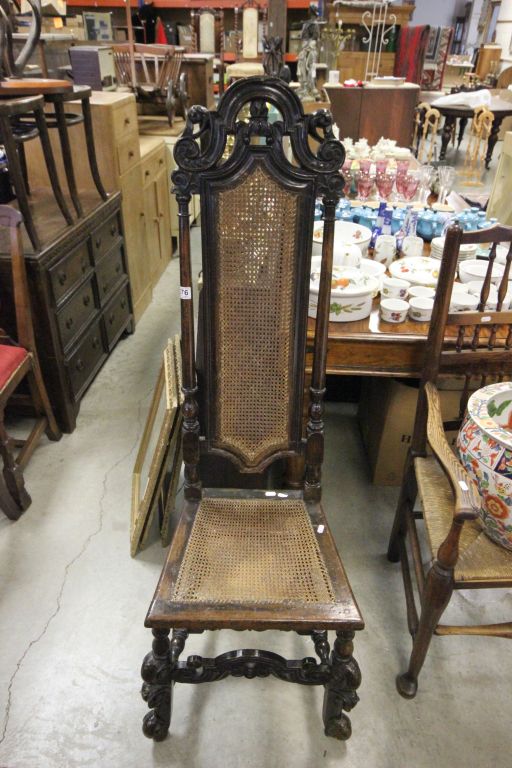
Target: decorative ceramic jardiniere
[485, 448]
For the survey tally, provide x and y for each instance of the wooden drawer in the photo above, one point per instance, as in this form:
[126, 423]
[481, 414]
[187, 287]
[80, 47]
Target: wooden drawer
[86, 359]
[67, 272]
[116, 315]
[109, 272]
[105, 237]
[152, 165]
[76, 313]
[124, 119]
[128, 152]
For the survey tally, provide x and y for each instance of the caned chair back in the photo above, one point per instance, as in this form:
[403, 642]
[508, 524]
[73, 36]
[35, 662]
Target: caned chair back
[257, 213]
[476, 345]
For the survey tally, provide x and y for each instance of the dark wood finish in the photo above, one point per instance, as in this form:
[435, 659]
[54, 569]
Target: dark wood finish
[77, 281]
[258, 157]
[276, 20]
[198, 68]
[29, 367]
[471, 343]
[374, 112]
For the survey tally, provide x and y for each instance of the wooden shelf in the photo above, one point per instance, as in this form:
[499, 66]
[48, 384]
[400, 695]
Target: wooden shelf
[187, 4]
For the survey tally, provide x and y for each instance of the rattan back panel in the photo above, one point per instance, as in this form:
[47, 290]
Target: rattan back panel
[253, 289]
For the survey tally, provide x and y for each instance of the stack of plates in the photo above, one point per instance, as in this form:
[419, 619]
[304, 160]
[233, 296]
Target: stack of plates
[466, 251]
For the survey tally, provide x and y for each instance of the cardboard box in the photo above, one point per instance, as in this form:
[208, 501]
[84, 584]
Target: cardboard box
[386, 419]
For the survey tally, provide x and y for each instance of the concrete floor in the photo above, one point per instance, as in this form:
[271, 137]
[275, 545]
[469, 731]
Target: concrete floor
[73, 604]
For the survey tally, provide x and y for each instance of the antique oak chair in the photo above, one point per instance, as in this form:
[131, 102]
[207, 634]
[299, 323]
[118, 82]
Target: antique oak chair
[475, 344]
[17, 361]
[254, 559]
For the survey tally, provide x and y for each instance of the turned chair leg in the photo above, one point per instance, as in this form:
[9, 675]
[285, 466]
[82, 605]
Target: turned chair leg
[404, 506]
[157, 689]
[340, 692]
[12, 472]
[60, 118]
[50, 164]
[91, 150]
[23, 165]
[436, 596]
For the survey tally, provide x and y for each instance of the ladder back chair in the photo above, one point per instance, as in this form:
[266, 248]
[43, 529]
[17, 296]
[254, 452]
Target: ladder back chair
[18, 359]
[254, 559]
[477, 345]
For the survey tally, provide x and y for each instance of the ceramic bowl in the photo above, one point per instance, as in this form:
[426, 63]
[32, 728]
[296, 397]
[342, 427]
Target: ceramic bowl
[394, 310]
[352, 293]
[484, 444]
[374, 269]
[475, 269]
[394, 288]
[421, 291]
[463, 302]
[345, 233]
[420, 309]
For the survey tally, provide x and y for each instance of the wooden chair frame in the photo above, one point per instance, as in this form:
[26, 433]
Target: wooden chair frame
[14, 463]
[201, 170]
[471, 343]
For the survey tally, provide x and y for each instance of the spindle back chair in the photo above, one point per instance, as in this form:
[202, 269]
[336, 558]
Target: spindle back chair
[254, 559]
[478, 346]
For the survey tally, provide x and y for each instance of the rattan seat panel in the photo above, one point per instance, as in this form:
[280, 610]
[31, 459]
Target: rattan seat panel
[480, 559]
[253, 551]
[254, 321]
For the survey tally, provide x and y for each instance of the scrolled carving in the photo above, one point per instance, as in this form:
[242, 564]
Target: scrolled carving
[156, 672]
[340, 692]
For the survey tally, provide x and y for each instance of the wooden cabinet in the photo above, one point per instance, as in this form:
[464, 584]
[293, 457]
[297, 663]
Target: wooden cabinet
[156, 194]
[81, 302]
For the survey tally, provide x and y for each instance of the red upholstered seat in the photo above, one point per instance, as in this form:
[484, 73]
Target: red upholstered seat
[10, 360]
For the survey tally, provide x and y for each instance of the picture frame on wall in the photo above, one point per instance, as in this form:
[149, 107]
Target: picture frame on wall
[158, 450]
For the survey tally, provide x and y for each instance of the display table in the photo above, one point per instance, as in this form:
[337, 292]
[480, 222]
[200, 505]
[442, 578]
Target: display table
[375, 111]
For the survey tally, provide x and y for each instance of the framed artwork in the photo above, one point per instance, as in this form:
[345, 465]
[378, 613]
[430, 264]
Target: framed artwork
[152, 457]
[433, 44]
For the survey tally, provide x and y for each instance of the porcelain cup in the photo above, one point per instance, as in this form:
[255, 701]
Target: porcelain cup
[421, 291]
[412, 246]
[421, 309]
[385, 249]
[394, 310]
[347, 255]
[463, 302]
[394, 288]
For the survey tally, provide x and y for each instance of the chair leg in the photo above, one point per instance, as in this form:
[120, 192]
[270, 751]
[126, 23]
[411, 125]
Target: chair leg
[16, 174]
[157, 689]
[50, 164]
[405, 502]
[435, 598]
[23, 165]
[41, 401]
[340, 691]
[91, 150]
[60, 117]
[12, 472]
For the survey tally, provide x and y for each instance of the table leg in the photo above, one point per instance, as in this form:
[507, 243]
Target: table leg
[446, 135]
[493, 138]
[462, 127]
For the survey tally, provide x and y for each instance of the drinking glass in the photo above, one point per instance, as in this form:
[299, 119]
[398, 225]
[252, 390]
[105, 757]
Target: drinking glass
[385, 182]
[426, 178]
[365, 165]
[410, 184]
[446, 175]
[364, 185]
[381, 164]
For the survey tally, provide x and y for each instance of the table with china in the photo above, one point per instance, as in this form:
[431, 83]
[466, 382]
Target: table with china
[369, 342]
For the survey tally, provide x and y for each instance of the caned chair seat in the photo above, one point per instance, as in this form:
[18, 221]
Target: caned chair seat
[11, 359]
[249, 555]
[480, 560]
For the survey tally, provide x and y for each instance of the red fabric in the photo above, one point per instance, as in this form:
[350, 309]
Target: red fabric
[410, 52]
[160, 36]
[10, 359]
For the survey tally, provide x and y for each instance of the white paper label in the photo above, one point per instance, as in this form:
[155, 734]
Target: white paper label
[185, 292]
[320, 529]
[485, 319]
[463, 485]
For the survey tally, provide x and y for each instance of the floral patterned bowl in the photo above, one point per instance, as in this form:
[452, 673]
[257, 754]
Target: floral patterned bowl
[352, 292]
[485, 448]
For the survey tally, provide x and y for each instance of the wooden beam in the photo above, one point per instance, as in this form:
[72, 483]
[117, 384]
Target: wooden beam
[277, 20]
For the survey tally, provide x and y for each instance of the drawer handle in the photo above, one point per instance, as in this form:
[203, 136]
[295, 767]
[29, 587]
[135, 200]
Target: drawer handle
[146, 173]
[62, 277]
[113, 230]
[111, 318]
[79, 365]
[131, 154]
[84, 263]
[127, 121]
[118, 268]
[123, 303]
[161, 162]
[95, 342]
[86, 300]
[69, 323]
[98, 242]
[105, 287]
